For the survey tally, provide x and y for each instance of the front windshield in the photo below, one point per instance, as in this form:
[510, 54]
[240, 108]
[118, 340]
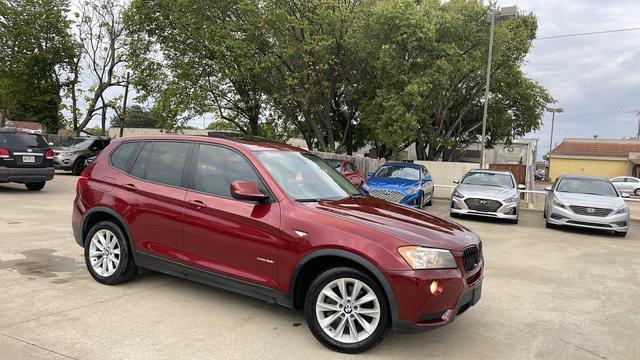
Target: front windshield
[587, 186]
[76, 143]
[489, 179]
[306, 177]
[398, 171]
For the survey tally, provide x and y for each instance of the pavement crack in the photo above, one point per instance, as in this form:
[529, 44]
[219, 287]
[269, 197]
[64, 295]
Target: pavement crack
[583, 349]
[80, 307]
[39, 347]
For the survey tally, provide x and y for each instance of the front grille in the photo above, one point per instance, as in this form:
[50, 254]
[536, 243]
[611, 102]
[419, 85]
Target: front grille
[389, 195]
[590, 211]
[483, 204]
[471, 257]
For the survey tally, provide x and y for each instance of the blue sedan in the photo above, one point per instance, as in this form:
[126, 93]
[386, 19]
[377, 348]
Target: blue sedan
[402, 183]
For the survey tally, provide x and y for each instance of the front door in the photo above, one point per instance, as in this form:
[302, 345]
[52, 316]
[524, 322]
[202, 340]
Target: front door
[230, 237]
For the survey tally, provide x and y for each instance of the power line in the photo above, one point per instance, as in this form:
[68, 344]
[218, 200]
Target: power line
[587, 33]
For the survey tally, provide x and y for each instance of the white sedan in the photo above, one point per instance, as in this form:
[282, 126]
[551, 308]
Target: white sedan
[627, 184]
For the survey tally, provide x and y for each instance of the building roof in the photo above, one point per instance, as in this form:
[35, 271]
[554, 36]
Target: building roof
[597, 147]
[31, 125]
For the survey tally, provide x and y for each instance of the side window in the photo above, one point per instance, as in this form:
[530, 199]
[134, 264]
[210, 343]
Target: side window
[140, 164]
[618, 180]
[217, 167]
[351, 167]
[425, 172]
[121, 158]
[166, 162]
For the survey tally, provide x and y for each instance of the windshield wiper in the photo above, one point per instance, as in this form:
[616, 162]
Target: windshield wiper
[314, 200]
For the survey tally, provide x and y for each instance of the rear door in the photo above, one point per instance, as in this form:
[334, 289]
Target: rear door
[231, 237]
[24, 150]
[152, 198]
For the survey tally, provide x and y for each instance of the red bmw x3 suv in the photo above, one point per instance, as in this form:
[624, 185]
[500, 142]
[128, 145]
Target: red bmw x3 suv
[277, 223]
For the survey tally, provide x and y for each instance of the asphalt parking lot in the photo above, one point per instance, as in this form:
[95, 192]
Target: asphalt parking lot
[556, 294]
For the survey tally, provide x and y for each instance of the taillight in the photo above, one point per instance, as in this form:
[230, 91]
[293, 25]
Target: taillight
[4, 153]
[82, 182]
[49, 154]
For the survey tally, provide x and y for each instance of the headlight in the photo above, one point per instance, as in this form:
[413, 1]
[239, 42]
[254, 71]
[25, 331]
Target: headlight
[413, 191]
[622, 210]
[558, 204]
[457, 194]
[512, 199]
[426, 258]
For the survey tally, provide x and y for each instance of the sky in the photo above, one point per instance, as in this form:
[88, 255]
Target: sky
[594, 78]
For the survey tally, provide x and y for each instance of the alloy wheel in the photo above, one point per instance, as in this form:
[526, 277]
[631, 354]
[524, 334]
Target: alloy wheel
[104, 253]
[348, 310]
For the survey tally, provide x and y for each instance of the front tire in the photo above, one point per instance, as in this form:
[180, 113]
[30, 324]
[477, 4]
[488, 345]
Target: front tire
[347, 311]
[620, 233]
[107, 254]
[637, 192]
[35, 186]
[78, 166]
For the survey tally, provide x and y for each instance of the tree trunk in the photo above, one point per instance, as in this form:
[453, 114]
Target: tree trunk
[5, 110]
[103, 117]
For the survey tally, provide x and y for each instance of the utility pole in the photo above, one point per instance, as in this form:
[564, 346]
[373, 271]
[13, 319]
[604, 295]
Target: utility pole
[553, 112]
[638, 134]
[124, 106]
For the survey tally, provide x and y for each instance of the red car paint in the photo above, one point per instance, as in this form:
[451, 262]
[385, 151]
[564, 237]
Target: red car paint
[268, 245]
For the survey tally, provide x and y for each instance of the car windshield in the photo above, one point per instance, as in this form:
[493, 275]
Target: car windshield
[587, 186]
[77, 143]
[334, 163]
[398, 171]
[23, 139]
[306, 177]
[489, 179]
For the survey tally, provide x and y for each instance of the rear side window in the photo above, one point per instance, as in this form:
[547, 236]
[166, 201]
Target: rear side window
[140, 166]
[22, 139]
[218, 167]
[166, 162]
[121, 158]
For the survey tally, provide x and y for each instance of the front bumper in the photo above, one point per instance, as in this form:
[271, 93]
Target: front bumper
[63, 162]
[506, 211]
[26, 175]
[615, 222]
[419, 310]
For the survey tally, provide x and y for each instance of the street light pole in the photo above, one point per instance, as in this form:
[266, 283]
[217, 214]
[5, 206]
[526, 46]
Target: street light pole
[486, 91]
[553, 112]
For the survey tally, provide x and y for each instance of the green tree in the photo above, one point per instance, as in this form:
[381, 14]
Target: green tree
[35, 49]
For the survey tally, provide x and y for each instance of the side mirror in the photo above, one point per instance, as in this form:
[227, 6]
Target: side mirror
[521, 187]
[548, 188]
[456, 181]
[369, 174]
[247, 190]
[625, 195]
[50, 144]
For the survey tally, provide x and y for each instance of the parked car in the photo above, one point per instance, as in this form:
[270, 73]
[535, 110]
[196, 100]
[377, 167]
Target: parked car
[487, 193]
[277, 223]
[348, 170]
[401, 183]
[587, 202]
[25, 158]
[71, 154]
[627, 184]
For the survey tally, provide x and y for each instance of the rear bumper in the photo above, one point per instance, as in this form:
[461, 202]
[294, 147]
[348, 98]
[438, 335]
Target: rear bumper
[25, 175]
[419, 310]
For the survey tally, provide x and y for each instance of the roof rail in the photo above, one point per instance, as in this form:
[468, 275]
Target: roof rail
[232, 135]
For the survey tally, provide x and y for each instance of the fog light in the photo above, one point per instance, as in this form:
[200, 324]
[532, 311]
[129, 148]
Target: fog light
[436, 288]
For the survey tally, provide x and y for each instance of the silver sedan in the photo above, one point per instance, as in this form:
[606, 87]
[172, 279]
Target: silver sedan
[487, 193]
[587, 202]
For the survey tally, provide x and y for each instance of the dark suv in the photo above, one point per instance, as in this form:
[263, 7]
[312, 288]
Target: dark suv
[73, 153]
[25, 157]
[277, 223]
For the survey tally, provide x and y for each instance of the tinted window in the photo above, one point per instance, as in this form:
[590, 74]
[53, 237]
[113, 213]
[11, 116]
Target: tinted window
[618, 180]
[77, 143]
[218, 167]
[398, 171]
[166, 162]
[351, 167]
[122, 155]
[22, 139]
[140, 165]
[587, 186]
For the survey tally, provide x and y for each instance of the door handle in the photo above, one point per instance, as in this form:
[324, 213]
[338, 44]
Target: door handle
[129, 187]
[198, 204]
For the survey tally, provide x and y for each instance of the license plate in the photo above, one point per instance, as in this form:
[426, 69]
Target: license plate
[28, 159]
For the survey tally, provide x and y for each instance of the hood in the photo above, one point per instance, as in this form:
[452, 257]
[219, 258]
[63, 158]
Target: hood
[388, 183]
[61, 149]
[588, 200]
[413, 226]
[485, 192]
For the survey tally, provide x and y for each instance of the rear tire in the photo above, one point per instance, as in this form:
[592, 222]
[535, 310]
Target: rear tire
[107, 254]
[35, 186]
[347, 313]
